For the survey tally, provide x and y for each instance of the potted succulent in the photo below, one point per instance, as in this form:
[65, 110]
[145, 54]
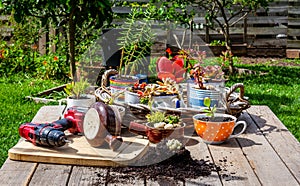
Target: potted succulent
[77, 96]
[135, 44]
[134, 93]
[163, 93]
[215, 128]
[159, 126]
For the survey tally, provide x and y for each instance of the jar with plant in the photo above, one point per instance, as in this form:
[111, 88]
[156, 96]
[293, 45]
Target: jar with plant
[77, 94]
[206, 81]
[135, 44]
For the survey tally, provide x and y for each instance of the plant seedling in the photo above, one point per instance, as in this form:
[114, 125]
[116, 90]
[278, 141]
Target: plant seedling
[210, 111]
[76, 89]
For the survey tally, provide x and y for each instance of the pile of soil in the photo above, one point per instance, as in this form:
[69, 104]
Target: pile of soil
[178, 167]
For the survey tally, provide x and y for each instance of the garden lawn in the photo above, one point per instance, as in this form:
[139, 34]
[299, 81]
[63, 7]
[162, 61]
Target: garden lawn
[15, 109]
[277, 87]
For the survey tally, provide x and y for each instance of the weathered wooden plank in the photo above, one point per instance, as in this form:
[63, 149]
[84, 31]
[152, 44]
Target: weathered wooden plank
[266, 31]
[16, 173]
[51, 174]
[199, 150]
[293, 32]
[269, 42]
[87, 176]
[281, 139]
[264, 160]
[48, 114]
[235, 168]
[293, 44]
[19, 173]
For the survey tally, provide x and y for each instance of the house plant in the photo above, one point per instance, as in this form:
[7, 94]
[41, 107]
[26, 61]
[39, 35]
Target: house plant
[206, 81]
[77, 94]
[159, 126]
[215, 128]
[135, 44]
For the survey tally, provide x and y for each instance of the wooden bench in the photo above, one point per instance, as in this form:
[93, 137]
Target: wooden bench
[266, 154]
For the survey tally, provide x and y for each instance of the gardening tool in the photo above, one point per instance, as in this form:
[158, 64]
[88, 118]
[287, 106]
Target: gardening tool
[100, 124]
[47, 134]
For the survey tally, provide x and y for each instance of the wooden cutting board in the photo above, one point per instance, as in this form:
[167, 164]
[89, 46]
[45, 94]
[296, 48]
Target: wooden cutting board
[79, 152]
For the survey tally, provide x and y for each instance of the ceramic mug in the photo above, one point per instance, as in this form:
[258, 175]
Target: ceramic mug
[217, 132]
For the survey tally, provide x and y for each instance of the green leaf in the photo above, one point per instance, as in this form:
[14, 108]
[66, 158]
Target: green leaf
[207, 101]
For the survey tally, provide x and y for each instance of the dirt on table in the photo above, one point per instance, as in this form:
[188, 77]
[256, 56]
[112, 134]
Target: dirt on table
[179, 167]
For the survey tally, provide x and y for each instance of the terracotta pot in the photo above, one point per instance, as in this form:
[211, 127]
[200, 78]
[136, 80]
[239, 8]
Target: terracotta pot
[216, 132]
[155, 135]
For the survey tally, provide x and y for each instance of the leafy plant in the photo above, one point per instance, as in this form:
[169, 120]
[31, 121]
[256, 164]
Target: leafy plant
[76, 89]
[156, 117]
[210, 111]
[52, 66]
[135, 43]
[161, 120]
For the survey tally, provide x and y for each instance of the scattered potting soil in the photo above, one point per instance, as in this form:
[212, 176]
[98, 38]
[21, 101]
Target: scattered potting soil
[216, 119]
[178, 167]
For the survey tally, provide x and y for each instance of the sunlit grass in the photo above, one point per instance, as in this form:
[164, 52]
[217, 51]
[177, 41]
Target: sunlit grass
[278, 88]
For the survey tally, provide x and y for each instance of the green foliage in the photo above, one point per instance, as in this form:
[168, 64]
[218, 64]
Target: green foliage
[72, 15]
[52, 66]
[174, 10]
[18, 55]
[78, 88]
[217, 43]
[135, 42]
[15, 110]
[157, 117]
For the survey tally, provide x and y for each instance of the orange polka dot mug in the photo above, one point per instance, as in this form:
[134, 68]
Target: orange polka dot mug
[219, 129]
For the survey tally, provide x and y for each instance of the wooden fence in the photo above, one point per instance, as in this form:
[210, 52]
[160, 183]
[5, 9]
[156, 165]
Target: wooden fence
[275, 32]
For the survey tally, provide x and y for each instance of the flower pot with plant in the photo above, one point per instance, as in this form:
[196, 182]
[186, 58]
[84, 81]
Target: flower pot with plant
[135, 44]
[159, 126]
[207, 81]
[216, 128]
[77, 94]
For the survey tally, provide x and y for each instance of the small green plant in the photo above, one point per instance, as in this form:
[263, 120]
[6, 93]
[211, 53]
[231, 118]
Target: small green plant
[76, 89]
[156, 117]
[163, 121]
[210, 111]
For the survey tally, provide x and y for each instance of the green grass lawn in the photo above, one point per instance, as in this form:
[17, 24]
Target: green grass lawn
[15, 110]
[277, 87]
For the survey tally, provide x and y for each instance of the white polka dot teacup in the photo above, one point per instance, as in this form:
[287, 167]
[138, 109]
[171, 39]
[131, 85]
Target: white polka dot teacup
[218, 130]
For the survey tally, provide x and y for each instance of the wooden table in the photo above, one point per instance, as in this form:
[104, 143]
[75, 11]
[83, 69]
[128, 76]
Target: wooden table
[266, 154]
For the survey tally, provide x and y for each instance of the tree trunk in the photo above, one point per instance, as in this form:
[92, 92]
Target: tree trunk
[228, 49]
[72, 30]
